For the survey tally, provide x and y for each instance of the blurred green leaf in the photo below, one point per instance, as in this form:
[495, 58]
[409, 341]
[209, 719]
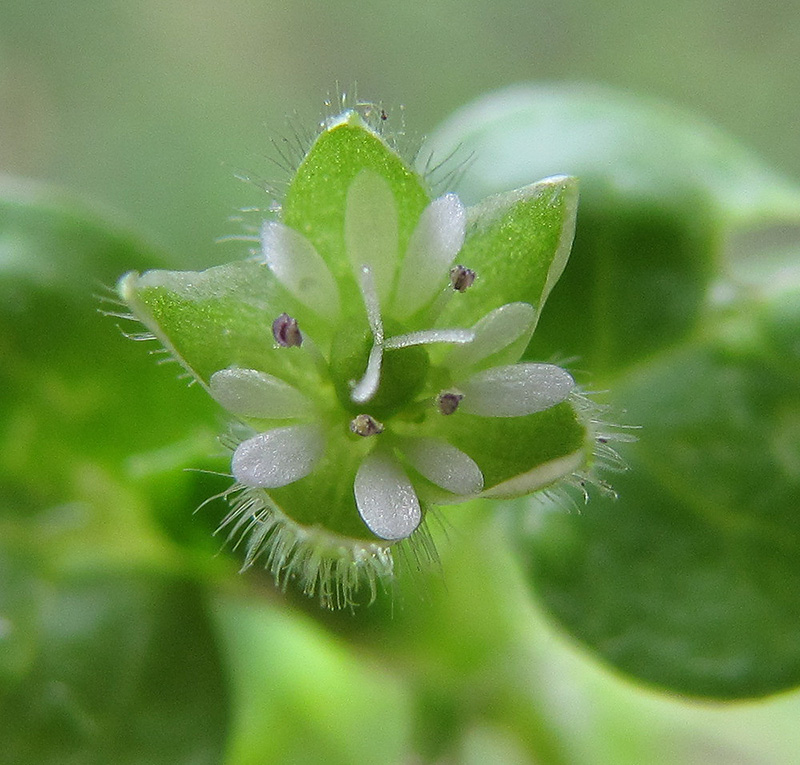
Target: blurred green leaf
[75, 392]
[690, 581]
[105, 667]
[469, 647]
[298, 696]
[103, 658]
[633, 146]
[658, 191]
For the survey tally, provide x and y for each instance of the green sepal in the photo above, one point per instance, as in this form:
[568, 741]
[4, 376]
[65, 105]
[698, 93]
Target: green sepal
[518, 244]
[220, 317]
[315, 201]
[543, 446]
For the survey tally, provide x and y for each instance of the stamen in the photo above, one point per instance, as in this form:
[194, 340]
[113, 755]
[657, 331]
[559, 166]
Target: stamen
[461, 278]
[367, 387]
[365, 425]
[448, 400]
[286, 332]
[310, 347]
[436, 310]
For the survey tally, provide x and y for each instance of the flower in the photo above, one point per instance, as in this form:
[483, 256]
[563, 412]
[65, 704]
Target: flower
[371, 349]
[414, 290]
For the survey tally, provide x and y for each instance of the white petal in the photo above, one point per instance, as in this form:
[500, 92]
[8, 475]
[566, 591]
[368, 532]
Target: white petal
[251, 393]
[443, 465]
[299, 267]
[370, 229]
[497, 330]
[428, 336]
[385, 498]
[515, 390]
[434, 244]
[278, 457]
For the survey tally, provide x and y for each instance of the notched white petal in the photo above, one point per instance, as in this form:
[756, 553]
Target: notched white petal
[515, 390]
[444, 464]
[299, 267]
[434, 244]
[252, 393]
[370, 229]
[385, 498]
[278, 457]
[497, 330]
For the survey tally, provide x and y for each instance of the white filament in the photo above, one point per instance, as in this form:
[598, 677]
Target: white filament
[371, 302]
[367, 386]
[428, 336]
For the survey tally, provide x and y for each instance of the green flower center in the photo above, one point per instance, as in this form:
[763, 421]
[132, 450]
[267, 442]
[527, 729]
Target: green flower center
[403, 374]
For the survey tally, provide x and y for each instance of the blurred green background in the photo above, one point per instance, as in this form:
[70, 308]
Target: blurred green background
[148, 110]
[151, 107]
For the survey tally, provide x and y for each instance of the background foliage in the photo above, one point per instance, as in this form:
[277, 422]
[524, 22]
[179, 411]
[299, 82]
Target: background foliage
[124, 637]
